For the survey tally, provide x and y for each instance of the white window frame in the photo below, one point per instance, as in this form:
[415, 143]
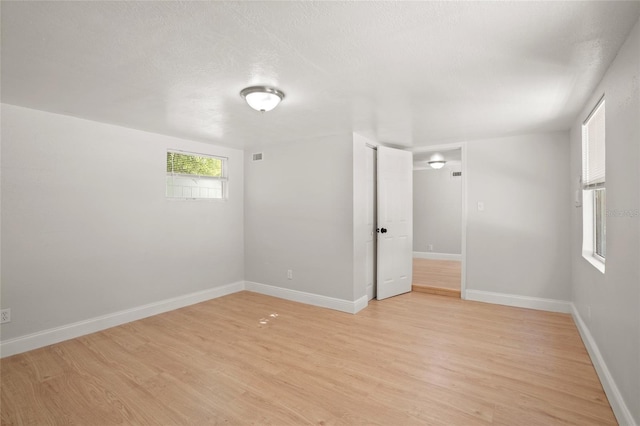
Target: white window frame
[589, 223]
[222, 179]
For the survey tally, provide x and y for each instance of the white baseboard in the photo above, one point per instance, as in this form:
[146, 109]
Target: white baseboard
[436, 256]
[58, 334]
[308, 298]
[620, 409]
[551, 305]
[360, 304]
[70, 331]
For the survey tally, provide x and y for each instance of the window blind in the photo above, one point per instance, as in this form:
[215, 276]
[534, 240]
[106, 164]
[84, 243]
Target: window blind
[593, 151]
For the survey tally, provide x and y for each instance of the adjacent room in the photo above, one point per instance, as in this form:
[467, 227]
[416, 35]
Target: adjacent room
[320, 213]
[437, 222]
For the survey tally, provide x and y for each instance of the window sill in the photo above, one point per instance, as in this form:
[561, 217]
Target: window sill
[597, 263]
[205, 200]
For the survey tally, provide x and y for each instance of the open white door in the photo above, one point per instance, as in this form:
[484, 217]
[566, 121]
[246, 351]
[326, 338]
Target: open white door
[395, 222]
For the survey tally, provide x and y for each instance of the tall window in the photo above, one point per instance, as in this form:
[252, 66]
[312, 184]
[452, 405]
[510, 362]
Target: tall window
[594, 226]
[196, 176]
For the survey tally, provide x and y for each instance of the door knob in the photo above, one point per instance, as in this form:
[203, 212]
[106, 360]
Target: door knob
[382, 230]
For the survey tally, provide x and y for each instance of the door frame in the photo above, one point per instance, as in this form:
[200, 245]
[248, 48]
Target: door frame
[374, 236]
[463, 167]
[360, 228]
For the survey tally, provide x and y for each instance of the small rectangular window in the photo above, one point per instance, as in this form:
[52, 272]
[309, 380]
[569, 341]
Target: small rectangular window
[196, 176]
[594, 215]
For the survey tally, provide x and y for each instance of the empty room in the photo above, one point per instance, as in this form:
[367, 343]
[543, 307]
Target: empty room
[290, 213]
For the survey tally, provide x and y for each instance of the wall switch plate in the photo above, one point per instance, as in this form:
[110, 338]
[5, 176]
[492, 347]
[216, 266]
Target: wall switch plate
[5, 316]
[289, 274]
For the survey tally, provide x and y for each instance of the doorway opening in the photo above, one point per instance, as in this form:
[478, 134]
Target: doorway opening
[384, 216]
[438, 216]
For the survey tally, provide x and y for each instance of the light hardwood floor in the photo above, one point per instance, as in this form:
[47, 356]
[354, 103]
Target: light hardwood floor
[253, 359]
[441, 277]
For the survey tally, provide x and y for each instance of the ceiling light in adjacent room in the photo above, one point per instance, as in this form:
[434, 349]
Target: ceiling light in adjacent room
[437, 164]
[436, 161]
[262, 98]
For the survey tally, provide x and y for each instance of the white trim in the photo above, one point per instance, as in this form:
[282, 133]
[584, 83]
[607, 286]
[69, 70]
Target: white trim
[70, 331]
[620, 409]
[360, 304]
[551, 305]
[307, 298]
[464, 219]
[594, 260]
[81, 328]
[436, 256]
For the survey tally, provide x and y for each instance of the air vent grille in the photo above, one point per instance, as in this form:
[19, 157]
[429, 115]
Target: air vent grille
[456, 174]
[257, 156]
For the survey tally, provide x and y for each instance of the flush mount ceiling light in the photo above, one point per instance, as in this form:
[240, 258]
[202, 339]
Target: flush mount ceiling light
[436, 161]
[262, 98]
[437, 164]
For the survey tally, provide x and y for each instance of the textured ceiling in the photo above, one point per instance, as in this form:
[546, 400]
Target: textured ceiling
[403, 73]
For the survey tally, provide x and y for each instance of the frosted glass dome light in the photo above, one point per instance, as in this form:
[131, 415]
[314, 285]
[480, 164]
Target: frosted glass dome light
[262, 98]
[437, 164]
[437, 161]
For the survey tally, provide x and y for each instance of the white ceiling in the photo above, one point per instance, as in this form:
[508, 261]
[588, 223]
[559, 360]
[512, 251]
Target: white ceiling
[404, 73]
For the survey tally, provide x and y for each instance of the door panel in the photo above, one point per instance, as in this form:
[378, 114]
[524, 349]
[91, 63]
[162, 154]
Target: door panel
[395, 222]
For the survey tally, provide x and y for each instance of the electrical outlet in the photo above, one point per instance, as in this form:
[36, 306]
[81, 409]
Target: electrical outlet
[289, 274]
[5, 316]
[430, 247]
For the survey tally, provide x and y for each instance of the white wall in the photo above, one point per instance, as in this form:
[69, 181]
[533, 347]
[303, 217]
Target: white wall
[609, 303]
[87, 229]
[519, 244]
[437, 210]
[299, 216]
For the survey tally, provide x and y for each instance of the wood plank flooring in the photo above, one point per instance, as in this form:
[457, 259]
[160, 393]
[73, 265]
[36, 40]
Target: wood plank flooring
[252, 359]
[440, 277]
